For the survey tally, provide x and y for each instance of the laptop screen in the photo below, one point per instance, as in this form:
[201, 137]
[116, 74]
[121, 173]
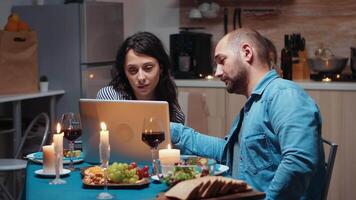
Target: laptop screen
[124, 120]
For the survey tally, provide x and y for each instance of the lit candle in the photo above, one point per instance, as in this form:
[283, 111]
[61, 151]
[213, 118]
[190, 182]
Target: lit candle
[58, 145]
[169, 155]
[104, 135]
[48, 158]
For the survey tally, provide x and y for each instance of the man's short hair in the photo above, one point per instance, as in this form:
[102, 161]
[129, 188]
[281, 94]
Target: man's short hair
[257, 41]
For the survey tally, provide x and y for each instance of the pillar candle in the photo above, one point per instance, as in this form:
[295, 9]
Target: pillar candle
[169, 156]
[48, 158]
[104, 135]
[58, 145]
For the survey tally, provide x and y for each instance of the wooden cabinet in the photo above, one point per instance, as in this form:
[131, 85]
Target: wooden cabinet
[339, 126]
[204, 109]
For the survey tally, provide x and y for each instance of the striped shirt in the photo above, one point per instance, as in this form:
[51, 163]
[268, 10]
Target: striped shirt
[109, 93]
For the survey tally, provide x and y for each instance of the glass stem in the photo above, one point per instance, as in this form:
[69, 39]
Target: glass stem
[56, 165]
[71, 150]
[105, 179]
[155, 161]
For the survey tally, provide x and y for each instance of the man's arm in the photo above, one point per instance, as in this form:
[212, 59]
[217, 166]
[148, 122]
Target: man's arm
[191, 142]
[296, 120]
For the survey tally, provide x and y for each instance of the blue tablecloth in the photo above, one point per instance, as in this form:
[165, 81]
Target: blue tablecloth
[39, 187]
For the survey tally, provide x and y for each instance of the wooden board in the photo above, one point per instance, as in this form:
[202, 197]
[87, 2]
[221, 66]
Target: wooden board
[249, 195]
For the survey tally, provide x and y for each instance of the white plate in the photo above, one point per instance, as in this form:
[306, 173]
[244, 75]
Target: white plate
[37, 159]
[40, 172]
[219, 169]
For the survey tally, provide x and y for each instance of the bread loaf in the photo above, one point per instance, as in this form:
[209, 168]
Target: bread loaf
[205, 187]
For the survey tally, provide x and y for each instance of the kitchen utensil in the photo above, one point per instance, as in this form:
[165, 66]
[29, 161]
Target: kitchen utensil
[195, 14]
[237, 18]
[327, 65]
[226, 11]
[353, 60]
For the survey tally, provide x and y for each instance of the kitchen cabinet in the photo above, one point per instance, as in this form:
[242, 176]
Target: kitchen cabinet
[204, 109]
[339, 119]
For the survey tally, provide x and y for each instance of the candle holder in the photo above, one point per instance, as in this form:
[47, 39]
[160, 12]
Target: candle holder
[104, 149]
[58, 161]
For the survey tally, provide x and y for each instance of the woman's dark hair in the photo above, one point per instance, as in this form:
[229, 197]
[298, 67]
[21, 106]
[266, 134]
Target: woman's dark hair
[147, 44]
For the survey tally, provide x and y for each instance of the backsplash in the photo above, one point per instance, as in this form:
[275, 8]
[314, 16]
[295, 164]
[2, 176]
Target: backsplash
[329, 23]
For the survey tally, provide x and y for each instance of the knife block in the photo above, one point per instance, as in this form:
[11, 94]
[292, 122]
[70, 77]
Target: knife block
[300, 68]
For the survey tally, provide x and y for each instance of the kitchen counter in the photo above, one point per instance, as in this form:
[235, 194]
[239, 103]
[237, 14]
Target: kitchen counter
[307, 84]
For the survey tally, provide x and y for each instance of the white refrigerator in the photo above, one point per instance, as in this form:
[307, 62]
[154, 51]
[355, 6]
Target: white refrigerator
[77, 46]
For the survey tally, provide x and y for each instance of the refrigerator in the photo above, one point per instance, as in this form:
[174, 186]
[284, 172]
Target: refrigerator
[77, 46]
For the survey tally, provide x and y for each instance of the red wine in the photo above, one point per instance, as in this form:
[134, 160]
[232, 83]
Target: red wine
[153, 139]
[72, 134]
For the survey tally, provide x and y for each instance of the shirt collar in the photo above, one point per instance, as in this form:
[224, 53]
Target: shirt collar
[260, 87]
[266, 80]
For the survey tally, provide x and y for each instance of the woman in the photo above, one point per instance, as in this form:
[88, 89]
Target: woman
[143, 73]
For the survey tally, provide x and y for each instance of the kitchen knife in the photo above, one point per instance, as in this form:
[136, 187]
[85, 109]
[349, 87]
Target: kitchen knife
[237, 18]
[226, 11]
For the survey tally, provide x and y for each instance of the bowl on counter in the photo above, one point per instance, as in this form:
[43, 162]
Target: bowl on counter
[327, 65]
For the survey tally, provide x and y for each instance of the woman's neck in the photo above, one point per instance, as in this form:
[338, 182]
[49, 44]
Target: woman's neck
[145, 97]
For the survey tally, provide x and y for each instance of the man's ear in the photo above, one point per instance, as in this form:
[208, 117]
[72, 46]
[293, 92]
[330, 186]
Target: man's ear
[247, 52]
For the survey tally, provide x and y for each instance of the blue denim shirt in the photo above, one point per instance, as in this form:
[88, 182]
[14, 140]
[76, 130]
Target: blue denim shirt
[281, 151]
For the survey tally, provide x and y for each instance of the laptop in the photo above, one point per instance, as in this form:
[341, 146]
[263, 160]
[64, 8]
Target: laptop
[124, 120]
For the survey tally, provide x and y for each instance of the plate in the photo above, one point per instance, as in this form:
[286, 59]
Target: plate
[37, 157]
[144, 182]
[219, 169]
[40, 172]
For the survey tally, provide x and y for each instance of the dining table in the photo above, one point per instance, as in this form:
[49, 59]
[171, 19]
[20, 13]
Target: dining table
[38, 187]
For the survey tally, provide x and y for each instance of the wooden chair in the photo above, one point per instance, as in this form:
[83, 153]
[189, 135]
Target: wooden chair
[329, 165]
[38, 126]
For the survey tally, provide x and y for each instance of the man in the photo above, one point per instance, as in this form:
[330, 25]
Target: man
[275, 142]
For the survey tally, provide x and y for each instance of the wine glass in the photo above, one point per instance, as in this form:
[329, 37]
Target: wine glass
[72, 128]
[153, 135]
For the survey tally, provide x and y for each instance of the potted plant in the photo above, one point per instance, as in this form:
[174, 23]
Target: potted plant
[43, 83]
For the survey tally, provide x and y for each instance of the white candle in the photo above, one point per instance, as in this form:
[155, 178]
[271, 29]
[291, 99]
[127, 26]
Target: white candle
[48, 158]
[58, 145]
[104, 146]
[104, 135]
[169, 156]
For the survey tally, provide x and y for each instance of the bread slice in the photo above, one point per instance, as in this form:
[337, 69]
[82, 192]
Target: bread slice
[226, 187]
[188, 189]
[209, 191]
[206, 183]
[205, 187]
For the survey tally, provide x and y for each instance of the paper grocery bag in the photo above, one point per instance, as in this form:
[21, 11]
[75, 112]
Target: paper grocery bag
[18, 62]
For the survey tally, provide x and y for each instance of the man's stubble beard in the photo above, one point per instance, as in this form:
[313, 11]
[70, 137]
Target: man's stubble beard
[239, 83]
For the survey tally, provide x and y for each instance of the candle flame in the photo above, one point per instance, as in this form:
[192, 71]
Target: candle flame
[103, 126]
[169, 146]
[58, 127]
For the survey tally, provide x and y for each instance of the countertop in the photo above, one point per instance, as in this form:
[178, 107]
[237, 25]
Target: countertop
[307, 84]
[24, 96]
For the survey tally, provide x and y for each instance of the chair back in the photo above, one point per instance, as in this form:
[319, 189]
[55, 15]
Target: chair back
[35, 134]
[329, 165]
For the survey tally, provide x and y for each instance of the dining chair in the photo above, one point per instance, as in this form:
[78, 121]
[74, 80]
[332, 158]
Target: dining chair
[329, 165]
[39, 126]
